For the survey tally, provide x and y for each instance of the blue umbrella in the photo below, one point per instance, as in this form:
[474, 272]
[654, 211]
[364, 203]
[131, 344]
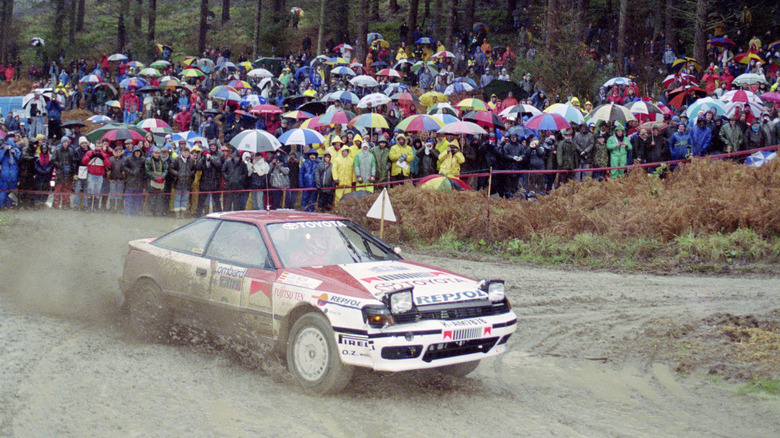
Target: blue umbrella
[303, 71]
[760, 158]
[229, 66]
[425, 40]
[616, 81]
[374, 36]
[521, 131]
[252, 100]
[344, 96]
[301, 136]
[342, 70]
[466, 80]
[395, 88]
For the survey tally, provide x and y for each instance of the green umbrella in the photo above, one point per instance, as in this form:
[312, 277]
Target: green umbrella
[95, 135]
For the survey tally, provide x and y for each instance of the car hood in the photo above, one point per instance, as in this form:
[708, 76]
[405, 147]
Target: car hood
[374, 280]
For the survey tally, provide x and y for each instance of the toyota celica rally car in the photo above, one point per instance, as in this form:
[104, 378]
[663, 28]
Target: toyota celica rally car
[324, 292]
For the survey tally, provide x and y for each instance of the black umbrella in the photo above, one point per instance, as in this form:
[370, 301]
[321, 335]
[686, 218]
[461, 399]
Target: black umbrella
[149, 89]
[73, 123]
[380, 64]
[212, 111]
[292, 102]
[501, 89]
[316, 108]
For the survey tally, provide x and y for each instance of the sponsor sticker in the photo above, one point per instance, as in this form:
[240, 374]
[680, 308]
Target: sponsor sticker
[324, 299]
[299, 280]
[318, 224]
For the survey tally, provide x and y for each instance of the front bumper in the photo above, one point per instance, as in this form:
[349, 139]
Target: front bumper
[426, 344]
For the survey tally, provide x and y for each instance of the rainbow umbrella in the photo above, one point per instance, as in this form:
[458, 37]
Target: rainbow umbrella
[441, 182]
[419, 123]
[462, 128]
[568, 112]
[91, 79]
[301, 136]
[336, 60]
[297, 115]
[471, 104]
[312, 123]
[240, 85]
[225, 92]
[370, 120]
[547, 122]
[135, 64]
[335, 117]
[132, 82]
[192, 73]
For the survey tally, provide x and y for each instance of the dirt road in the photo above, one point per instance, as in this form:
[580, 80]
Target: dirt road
[577, 366]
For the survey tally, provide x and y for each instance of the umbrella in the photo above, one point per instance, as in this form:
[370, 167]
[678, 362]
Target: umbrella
[148, 89]
[390, 73]
[72, 123]
[650, 125]
[37, 42]
[313, 107]
[642, 107]
[721, 42]
[334, 117]
[121, 134]
[405, 98]
[444, 54]
[466, 80]
[225, 92]
[132, 82]
[753, 108]
[154, 125]
[740, 96]
[189, 60]
[611, 113]
[462, 128]
[445, 118]
[568, 112]
[374, 36]
[520, 109]
[749, 79]
[267, 82]
[91, 79]
[479, 26]
[312, 123]
[107, 85]
[419, 123]
[444, 107]
[301, 136]
[373, 100]
[401, 63]
[431, 67]
[297, 115]
[457, 88]
[113, 104]
[255, 140]
[342, 70]
[243, 113]
[100, 119]
[227, 65]
[213, 111]
[616, 81]
[96, 134]
[160, 64]
[425, 40]
[342, 47]
[364, 81]
[760, 158]
[135, 64]
[259, 73]
[678, 64]
[295, 101]
[678, 95]
[191, 73]
[441, 182]
[297, 11]
[501, 89]
[548, 122]
[117, 57]
[369, 120]
[484, 118]
[705, 104]
[266, 109]
[240, 85]
[336, 60]
[471, 104]
[190, 137]
[432, 97]
[149, 71]
[681, 78]
[395, 88]
[771, 96]
[745, 58]
[344, 96]
[521, 131]
[170, 84]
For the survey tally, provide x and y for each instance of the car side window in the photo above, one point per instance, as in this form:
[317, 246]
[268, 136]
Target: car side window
[240, 244]
[191, 238]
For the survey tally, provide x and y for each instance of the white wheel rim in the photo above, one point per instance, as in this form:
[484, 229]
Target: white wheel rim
[311, 354]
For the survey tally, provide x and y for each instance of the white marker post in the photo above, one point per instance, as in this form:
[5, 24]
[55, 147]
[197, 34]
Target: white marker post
[382, 210]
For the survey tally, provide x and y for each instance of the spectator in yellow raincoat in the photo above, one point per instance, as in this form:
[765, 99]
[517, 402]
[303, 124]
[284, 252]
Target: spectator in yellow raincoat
[401, 157]
[401, 54]
[343, 173]
[450, 160]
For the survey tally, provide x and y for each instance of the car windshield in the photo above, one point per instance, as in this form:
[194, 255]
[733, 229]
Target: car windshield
[322, 243]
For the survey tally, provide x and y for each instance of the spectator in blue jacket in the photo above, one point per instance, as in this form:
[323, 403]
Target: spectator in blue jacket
[701, 137]
[307, 180]
[680, 145]
[9, 171]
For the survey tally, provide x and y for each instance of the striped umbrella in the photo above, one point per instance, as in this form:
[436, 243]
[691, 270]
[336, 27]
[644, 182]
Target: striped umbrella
[444, 54]
[612, 113]
[441, 182]
[170, 84]
[395, 88]
[547, 122]
[251, 100]
[514, 110]
[259, 73]
[420, 123]
[390, 73]
[135, 64]
[442, 108]
[642, 107]
[301, 136]
[149, 71]
[752, 108]
[744, 96]
[312, 123]
[100, 119]
[405, 98]
[445, 118]
[190, 137]
[344, 96]
[255, 140]
[154, 125]
[227, 66]
[425, 40]
[297, 115]
[240, 85]
[160, 64]
[484, 118]
[336, 60]
[471, 104]
[458, 88]
[192, 73]
[225, 92]
[342, 70]
[121, 134]
[335, 117]
[568, 112]
[266, 109]
[462, 128]
[370, 120]
[132, 82]
[706, 104]
[91, 79]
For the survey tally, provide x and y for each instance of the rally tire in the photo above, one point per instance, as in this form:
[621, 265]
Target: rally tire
[459, 369]
[150, 319]
[313, 356]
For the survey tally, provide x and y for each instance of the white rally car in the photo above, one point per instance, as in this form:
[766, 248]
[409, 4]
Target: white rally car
[320, 289]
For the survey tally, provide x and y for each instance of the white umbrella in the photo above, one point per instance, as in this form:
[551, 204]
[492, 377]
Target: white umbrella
[267, 82]
[374, 100]
[117, 57]
[260, 73]
[520, 109]
[363, 81]
[731, 96]
[255, 140]
[754, 108]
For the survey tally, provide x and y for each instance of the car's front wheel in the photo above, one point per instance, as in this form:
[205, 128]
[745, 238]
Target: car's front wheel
[459, 369]
[313, 356]
[149, 317]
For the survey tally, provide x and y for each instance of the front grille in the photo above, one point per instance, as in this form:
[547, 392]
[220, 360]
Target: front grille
[452, 349]
[452, 313]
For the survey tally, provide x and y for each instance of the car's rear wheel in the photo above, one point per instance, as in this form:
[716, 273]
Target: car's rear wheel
[150, 319]
[459, 369]
[313, 356]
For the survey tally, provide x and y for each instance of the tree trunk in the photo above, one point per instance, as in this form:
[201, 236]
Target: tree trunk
[437, 20]
[151, 28]
[321, 30]
[426, 13]
[621, 43]
[204, 13]
[362, 30]
[80, 15]
[374, 10]
[258, 19]
[121, 31]
[552, 7]
[72, 24]
[451, 10]
[700, 42]
[394, 6]
[225, 11]
[414, 5]
[137, 17]
[669, 23]
[468, 15]
[511, 5]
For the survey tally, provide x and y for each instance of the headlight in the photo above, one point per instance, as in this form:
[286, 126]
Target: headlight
[377, 316]
[495, 289]
[401, 302]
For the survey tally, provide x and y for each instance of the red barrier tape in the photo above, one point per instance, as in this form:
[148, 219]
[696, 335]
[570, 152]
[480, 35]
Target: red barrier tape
[415, 180]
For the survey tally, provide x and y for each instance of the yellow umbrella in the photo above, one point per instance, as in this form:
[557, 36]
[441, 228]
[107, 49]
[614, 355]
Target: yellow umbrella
[432, 97]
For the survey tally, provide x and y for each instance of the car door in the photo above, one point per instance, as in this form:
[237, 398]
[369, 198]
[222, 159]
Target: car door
[243, 274]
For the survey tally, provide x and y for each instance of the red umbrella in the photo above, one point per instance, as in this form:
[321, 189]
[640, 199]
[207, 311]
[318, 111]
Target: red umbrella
[677, 96]
[121, 134]
[547, 122]
[484, 118]
[265, 109]
[772, 96]
[744, 58]
[242, 113]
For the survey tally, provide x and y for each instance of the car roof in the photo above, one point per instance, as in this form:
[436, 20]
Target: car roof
[263, 217]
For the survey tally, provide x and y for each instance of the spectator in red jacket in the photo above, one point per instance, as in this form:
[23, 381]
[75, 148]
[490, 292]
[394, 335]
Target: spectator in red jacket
[131, 104]
[97, 162]
[182, 119]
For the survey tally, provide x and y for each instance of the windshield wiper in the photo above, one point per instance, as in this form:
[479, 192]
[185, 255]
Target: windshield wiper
[354, 252]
